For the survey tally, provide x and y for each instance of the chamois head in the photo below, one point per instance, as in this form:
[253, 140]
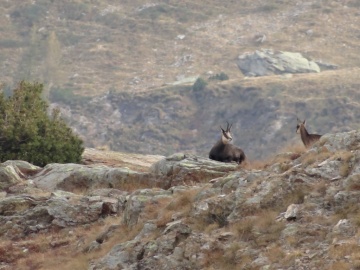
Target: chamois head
[226, 135]
[300, 124]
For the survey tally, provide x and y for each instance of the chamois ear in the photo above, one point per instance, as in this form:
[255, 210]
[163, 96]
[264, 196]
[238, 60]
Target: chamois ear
[304, 122]
[222, 129]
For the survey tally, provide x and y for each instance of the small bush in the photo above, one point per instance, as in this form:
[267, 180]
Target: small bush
[199, 85]
[220, 77]
[28, 133]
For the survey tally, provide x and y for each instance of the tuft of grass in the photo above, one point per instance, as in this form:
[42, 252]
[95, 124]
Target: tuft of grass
[346, 157]
[347, 211]
[183, 201]
[275, 253]
[267, 228]
[153, 208]
[353, 183]
[256, 164]
[320, 187]
[180, 205]
[243, 229]
[310, 158]
[338, 251]
[290, 258]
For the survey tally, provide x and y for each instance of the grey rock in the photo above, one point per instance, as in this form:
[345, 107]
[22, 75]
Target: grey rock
[80, 178]
[24, 168]
[137, 201]
[268, 62]
[292, 212]
[181, 168]
[341, 141]
[62, 209]
[344, 227]
[329, 169]
[9, 176]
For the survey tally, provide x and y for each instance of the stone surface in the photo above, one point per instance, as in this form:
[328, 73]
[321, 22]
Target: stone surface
[181, 168]
[268, 62]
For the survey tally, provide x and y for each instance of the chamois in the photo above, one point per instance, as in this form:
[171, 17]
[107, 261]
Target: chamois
[307, 139]
[224, 151]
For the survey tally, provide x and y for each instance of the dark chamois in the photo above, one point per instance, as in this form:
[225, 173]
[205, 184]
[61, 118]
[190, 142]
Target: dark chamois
[307, 139]
[224, 151]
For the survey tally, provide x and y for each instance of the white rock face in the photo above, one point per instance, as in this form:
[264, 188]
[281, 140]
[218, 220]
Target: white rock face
[268, 62]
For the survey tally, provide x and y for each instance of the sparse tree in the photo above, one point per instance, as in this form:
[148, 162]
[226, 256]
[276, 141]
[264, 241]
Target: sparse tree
[28, 133]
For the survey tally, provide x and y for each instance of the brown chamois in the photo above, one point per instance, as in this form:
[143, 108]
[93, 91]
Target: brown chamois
[224, 151]
[307, 139]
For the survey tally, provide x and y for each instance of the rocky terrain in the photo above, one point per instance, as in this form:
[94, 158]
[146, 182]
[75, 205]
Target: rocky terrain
[299, 210]
[145, 195]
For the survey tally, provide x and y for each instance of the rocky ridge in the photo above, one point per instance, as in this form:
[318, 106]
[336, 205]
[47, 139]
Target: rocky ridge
[299, 210]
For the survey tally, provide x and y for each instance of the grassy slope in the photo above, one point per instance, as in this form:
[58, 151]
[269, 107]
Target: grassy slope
[105, 44]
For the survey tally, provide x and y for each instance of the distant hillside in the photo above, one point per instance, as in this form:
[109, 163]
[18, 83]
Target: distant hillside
[111, 67]
[263, 112]
[91, 47]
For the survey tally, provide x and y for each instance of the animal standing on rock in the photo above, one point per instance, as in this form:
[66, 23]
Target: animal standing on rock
[307, 139]
[224, 151]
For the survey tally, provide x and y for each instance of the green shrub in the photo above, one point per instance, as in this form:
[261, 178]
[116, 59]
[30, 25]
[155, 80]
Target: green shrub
[221, 77]
[28, 133]
[199, 84]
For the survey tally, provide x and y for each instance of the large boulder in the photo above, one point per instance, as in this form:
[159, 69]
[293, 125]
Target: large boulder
[268, 62]
[180, 169]
[24, 214]
[82, 178]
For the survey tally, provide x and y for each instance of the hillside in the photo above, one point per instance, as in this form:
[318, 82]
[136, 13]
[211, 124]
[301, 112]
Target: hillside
[91, 47]
[111, 67]
[299, 210]
[263, 112]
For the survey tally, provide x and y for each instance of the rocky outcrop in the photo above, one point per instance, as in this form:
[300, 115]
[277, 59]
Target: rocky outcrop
[180, 169]
[258, 216]
[295, 212]
[268, 62]
[81, 178]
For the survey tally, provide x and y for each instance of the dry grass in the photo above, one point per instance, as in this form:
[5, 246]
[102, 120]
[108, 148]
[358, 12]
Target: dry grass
[297, 149]
[179, 206]
[153, 208]
[290, 258]
[284, 159]
[341, 265]
[310, 158]
[183, 201]
[103, 156]
[346, 158]
[49, 250]
[275, 253]
[267, 228]
[353, 183]
[243, 229]
[338, 251]
[261, 229]
[320, 187]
